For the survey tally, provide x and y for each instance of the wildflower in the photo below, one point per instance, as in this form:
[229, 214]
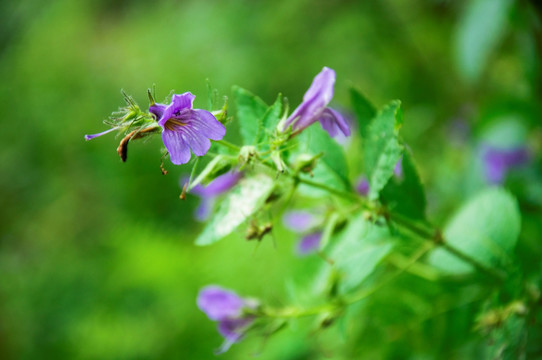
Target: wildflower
[185, 128]
[497, 162]
[228, 309]
[304, 223]
[362, 186]
[314, 107]
[309, 243]
[208, 193]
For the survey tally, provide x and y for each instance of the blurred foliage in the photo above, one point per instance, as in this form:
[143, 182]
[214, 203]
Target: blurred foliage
[97, 257]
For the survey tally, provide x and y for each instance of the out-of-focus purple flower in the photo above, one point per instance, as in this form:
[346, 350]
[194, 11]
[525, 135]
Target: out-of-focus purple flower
[208, 193]
[227, 308]
[299, 221]
[362, 186]
[398, 169]
[309, 243]
[90, 137]
[314, 107]
[497, 162]
[186, 128]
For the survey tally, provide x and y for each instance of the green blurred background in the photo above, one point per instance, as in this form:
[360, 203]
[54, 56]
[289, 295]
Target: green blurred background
[96, 256]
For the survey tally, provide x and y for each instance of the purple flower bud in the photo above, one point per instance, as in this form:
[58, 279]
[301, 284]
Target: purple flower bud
[497, 162]
[299, 221]
[314, 107]
[90, 137]
[309, 243]
[233, 331]
[362, 186]
[186, 128]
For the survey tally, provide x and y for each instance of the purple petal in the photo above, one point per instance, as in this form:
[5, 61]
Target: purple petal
[398, 169]
[333, 122]
[179, 102]
[205, 122]
[219, 304]
[218, 186]
[233, 331]
[90, 137]
[314, 102]
[497, 162]
[157, 110]
[309, 243]
[299, 221]
[197, 141]
[177, 146]
[362, 186]
[203, 211]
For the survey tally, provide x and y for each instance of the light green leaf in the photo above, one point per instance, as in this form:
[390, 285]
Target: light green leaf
[382, 149]
[364, 110]
[271, 118]
[250, 112]
[358, 250]
[405, 194]
[480, 29]
[486, 228]
[242, 202]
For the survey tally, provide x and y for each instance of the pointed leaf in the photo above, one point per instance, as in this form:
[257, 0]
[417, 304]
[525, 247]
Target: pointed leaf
[250, 111]
[364, 110]
[243, 201]
[486, 228]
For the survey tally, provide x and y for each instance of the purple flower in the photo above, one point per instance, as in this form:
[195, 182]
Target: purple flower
[208, 193]
[309, 243]
[314, 107]
[497, 162]
[362, 186]
[186, 128]
[227, 308]
[299, 221]
[398, 169]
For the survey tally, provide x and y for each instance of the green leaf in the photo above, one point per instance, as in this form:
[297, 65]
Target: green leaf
[364, 110]
[271, 118]
[480, 29]
[243, 201]
[382, 149]
[405, 194]
[358, 250]
[486, 228]
[250, 112]
[332, 165]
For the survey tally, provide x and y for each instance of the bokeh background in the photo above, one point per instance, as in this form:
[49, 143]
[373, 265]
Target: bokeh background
[96, 256]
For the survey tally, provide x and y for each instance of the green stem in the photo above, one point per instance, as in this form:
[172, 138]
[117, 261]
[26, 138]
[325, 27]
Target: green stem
[343, 194]
[228, 145]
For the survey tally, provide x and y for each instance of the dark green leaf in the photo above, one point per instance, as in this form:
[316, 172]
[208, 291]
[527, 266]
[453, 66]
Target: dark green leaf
[241, 203]
[486, 229]
[364, 110]
[405, 194]
[382, 149]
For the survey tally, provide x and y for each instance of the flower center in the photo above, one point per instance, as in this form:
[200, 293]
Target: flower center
[173, 124]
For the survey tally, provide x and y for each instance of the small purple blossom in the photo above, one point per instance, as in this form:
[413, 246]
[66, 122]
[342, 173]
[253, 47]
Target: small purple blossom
[218, 186]
[314, 107]
[185, 128]
[299, 221]
[362, 186]
[309, 243]
[398, 169]
[90, 137]
[497, 162]
[227, 308]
